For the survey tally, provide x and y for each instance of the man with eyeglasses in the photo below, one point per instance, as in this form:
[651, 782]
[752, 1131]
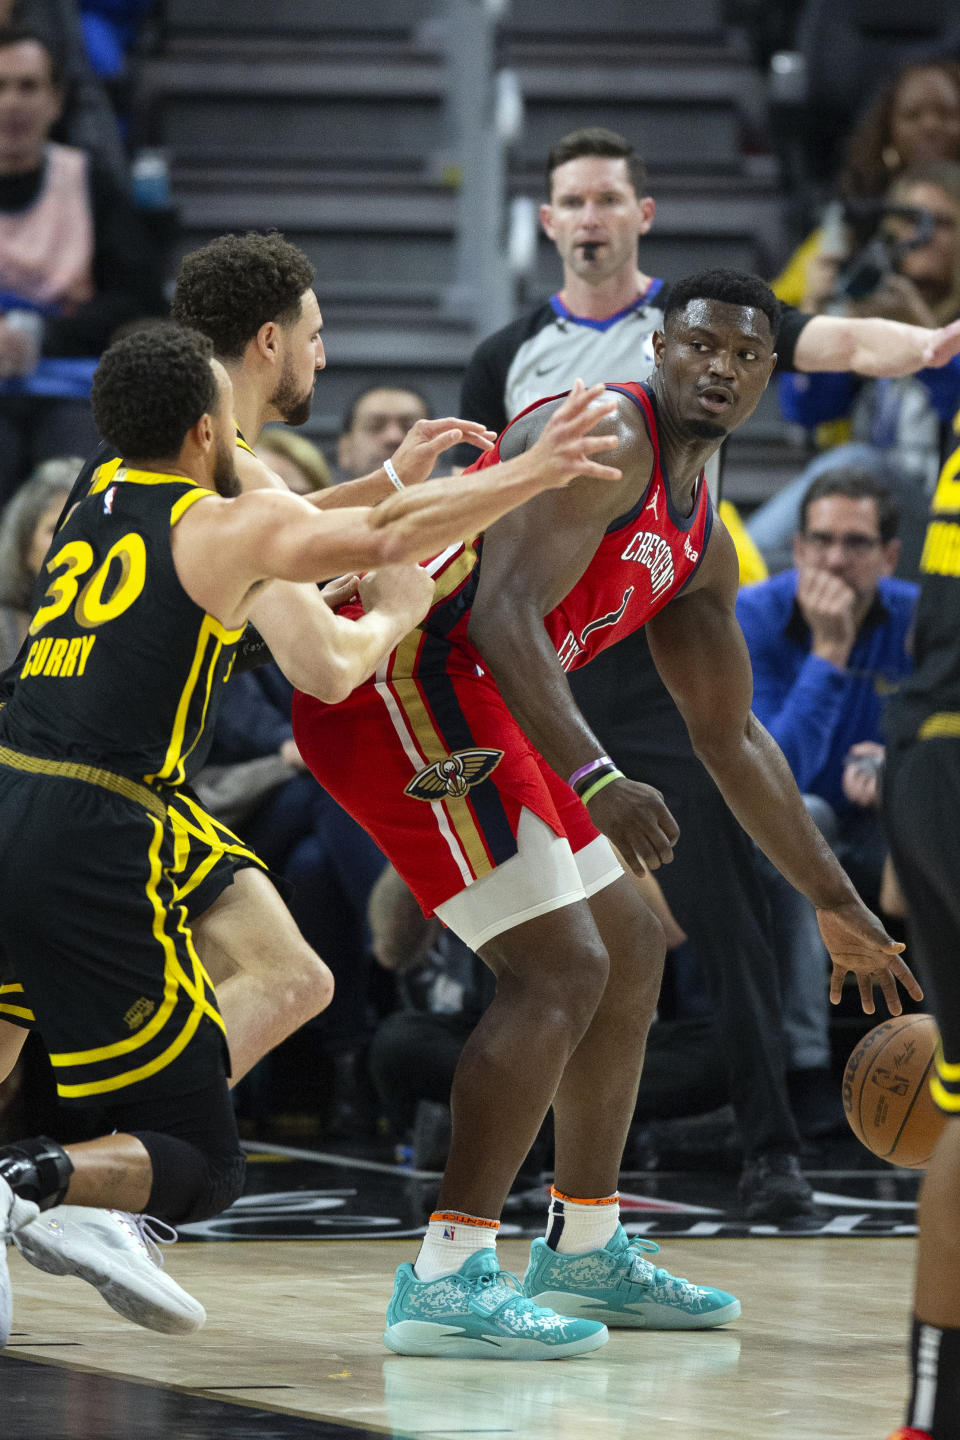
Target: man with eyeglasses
[828, 641]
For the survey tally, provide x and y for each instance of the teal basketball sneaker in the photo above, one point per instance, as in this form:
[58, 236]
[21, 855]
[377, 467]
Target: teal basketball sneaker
[620, 1286]
[481, 1313]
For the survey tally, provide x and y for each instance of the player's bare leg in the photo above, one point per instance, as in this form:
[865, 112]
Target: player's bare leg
[586, 1266]
[935, 1400]
[550, 976]
[595, 1100]
[268, 980]
[12, 1038]
[455, 1301]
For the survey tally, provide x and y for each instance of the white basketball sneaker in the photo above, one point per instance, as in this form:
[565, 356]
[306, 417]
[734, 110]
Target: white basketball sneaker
[119, 1255]
[15, 1213]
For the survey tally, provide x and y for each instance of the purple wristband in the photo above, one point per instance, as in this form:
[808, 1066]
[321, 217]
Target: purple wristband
[588, 770]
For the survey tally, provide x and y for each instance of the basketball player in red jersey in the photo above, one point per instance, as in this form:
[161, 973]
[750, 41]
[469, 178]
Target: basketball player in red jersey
[456, 757]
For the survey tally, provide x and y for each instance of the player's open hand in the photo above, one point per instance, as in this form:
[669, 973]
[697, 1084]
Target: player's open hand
[635, 819]
[566, 446]
[858, 942]
[424, 443]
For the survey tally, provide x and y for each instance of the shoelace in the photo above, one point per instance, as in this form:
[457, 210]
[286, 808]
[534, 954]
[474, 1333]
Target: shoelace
[652, 1274]
[148, 1230]
[513, 1282]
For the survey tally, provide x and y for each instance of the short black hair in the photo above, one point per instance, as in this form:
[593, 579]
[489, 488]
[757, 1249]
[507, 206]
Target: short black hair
[236, 283]
[595, 140]
[732, 287]
[350, 413]
[26, 34]
[150, 388]
[854, 482]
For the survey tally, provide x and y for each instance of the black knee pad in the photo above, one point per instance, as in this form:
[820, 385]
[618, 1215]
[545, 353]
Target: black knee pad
[37, 1170]
[190, 1183]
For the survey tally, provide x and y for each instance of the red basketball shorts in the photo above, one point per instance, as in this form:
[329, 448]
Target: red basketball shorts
[429, 760]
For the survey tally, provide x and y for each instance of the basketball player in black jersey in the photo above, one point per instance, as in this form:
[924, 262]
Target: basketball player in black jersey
[922, 802]
[252, 296]
[149, 583]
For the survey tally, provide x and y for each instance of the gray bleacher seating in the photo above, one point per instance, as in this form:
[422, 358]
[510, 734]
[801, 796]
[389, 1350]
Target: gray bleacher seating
[326, 120]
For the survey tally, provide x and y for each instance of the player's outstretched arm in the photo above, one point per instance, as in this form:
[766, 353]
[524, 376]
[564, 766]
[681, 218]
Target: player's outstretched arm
[327, 655]
[872, 346]
[413, 460]
[701, 655]
[224, 548]
[474, 501]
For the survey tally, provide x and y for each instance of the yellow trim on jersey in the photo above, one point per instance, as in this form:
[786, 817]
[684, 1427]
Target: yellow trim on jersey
[20, 1011]
[103, 475]
[185, 501]
[173, 768]
[433, 748]
[174, 979]
[944, 1098]
[91, 774]
[241, 443]
[942, 723]
[945, 1069]
[217, 838]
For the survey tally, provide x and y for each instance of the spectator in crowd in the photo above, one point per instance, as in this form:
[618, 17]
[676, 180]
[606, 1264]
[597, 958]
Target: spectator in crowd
[295, 459]
[904, 419]
[600, 326]
[914, 119]
[26, 529]
[88, 119]
[75, 264]
[374, 424]
[828, 640]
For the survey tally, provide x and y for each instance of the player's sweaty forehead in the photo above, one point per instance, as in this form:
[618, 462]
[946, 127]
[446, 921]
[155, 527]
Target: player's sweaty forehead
[719, 318]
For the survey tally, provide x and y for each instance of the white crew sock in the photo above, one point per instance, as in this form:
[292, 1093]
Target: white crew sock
[575, 1226]
[452, 1238]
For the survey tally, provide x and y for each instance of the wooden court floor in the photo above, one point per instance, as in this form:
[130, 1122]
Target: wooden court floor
[294, 1330]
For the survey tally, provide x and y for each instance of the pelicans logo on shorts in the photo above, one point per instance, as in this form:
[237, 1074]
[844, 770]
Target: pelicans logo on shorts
[451, 777]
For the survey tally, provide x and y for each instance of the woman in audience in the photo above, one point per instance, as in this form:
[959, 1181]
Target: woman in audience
[26, 529]
[295, 459]
[915, 119]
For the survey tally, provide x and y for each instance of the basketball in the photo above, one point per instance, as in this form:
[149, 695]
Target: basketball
[886, 1091]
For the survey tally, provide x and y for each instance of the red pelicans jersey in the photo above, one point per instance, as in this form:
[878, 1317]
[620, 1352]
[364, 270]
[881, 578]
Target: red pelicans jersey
[425, 754]
[646, 557]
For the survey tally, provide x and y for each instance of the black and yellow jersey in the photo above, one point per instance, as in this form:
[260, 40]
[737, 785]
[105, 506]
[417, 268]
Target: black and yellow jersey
[96, 475]
[928, 701]
[123, 671]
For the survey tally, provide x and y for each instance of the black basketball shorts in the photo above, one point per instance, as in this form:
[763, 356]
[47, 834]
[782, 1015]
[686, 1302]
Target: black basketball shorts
[96, 945]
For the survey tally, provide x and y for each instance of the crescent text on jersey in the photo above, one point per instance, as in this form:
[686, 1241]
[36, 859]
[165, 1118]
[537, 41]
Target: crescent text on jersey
[650, 549]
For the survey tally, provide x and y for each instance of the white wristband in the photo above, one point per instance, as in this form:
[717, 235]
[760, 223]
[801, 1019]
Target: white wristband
[392, 475]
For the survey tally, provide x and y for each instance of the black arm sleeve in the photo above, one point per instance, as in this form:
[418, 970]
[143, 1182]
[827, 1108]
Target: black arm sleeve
[792, 322]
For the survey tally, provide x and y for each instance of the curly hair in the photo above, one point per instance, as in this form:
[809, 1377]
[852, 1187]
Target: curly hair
[236, 283]
[732, 287]
[150, 388]
[865, 173]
